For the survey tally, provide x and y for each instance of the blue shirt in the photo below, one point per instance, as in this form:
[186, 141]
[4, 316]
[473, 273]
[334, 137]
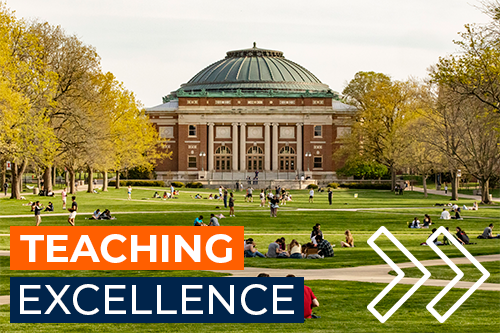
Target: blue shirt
[197, 220]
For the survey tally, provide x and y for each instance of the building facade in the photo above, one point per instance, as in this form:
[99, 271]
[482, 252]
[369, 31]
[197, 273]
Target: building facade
[253, 111]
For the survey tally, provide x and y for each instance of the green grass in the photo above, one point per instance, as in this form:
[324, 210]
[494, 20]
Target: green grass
[471, 273]
[343, 304]
[342, 309]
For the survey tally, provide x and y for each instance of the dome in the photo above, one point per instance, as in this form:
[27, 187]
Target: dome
[252, 70]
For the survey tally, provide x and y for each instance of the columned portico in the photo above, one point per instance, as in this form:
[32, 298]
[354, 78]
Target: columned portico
[243, 144]
[210, 152]
[267, 147]
[299, 147]
[235, 146]
[275, 146]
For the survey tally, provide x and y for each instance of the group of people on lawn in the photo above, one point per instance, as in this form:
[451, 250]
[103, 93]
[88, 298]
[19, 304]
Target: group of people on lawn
[319, 247]
[462, 237]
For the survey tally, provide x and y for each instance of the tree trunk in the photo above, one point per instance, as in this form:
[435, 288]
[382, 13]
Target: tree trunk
[393, 178]
[17, 171]
[485, 191]
[47, 179]
[66, 178]
[4, 173]
[90, 187]
[54, 175]
[454, 185]
[117, 185]
[72, 179]
[105, 181]
[424, 181]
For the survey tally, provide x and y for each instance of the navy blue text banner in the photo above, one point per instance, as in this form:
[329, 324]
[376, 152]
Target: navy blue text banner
[156, 300]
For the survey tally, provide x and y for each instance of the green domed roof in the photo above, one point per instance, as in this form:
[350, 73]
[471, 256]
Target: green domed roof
[252, 70]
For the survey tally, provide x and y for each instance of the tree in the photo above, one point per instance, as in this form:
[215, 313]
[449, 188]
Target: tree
[385, 108]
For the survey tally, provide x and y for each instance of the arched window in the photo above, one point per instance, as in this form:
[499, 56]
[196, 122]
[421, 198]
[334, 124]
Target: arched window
[287, 159]
[222, 159]
[255, 158]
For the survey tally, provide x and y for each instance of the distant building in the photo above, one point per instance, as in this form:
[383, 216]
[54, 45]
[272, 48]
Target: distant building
[252, 111]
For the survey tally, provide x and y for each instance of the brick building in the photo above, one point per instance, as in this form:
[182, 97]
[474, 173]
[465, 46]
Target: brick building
[252, 111]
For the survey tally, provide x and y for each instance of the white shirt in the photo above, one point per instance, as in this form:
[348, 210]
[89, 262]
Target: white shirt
[445, 215]
[311, 193]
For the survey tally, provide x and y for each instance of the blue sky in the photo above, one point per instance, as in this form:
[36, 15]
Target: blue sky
[154, 46]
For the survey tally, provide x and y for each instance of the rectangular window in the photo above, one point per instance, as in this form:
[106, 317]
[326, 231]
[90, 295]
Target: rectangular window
[192, 162]
[318, 133]
[192, 130]
[318, 162]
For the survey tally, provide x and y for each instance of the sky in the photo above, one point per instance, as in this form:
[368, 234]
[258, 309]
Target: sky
[154, 46]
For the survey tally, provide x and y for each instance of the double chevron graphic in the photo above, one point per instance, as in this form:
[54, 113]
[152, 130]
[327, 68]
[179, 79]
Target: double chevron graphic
[427, 274]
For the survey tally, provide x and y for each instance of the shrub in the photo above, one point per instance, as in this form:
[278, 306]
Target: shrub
[333, 185]
[177, 184]
[312, 186]
[194, 185]
[366, 186]
[135, 182]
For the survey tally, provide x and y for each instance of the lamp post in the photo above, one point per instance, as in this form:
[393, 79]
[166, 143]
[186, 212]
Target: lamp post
[307, 155]
[202, 154]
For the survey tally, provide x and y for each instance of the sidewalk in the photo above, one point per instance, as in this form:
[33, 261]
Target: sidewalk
[464, 196]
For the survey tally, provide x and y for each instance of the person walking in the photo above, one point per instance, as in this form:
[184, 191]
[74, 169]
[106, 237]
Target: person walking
[262, 198]
[5, 187]
[330, 196]
[129, 191]
[64, 195]
[445, 188]
[38, 210]
[231, 205]
[72, 210]
[311, 195]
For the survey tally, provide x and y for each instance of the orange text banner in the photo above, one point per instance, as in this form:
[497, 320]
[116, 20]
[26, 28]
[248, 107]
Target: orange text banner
[126, 248]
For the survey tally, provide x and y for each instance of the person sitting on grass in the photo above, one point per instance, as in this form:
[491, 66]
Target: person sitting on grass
[250, 249]
[197, 196]
[488, 233]
[349, 240]
[446, 241]
[96, 215]
[49, 208]
[415, 224]
[436, 242]
[445, 215]
[274, 251]
[214, 222]
[474, 206]
[462, 236]
[210, 197]
[106, 215]
[156, 195]
[457, 215]
[427, 221]
[198, 222]
[295, 250]
[325, 249]
[283, 244]
[315, 232]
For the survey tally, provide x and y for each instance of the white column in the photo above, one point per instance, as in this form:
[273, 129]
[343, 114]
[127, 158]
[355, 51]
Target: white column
[235, 146]
[243, 144]
[267, 147]
[299, 147]
[210, 147]
[275, 146]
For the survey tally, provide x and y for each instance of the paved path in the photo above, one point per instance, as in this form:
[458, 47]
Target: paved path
[465, 196]
[372, 273]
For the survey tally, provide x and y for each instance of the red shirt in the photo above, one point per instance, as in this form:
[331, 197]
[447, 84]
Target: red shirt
[308, 298]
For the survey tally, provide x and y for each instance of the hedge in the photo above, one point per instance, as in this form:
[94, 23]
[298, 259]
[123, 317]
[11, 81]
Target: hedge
[333, 185]
[194, 185]
[177, 184]
[366, 186]
[157, 183]
[312, 186]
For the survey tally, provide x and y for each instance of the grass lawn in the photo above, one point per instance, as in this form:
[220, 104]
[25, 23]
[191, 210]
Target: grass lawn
[471, 273]
[343, 304]
[342, 309]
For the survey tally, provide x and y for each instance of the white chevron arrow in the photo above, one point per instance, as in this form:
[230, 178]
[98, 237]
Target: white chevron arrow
[460, 274]
[401, 274]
